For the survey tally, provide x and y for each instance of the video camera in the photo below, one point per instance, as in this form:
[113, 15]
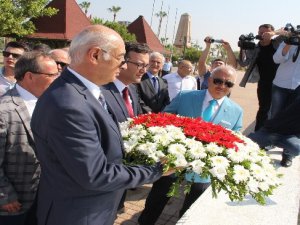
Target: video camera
[246, 42]
[293, 36]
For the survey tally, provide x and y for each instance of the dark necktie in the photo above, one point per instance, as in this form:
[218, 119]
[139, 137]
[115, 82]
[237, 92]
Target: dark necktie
[155, 84]
[209, 111]
[125, 93]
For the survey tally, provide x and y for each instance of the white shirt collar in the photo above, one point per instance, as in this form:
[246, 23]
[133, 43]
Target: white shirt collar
[29, 99]
[120, 85]
[93, 88]
[208, 97]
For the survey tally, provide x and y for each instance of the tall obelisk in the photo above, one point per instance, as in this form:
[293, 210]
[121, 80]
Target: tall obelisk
[183, 35]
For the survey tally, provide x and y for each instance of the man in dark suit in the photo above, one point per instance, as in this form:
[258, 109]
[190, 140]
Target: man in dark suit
[121, 95]
[19, 167]
[283, 131]
[194, 103]
[152, 89]
[79, 145]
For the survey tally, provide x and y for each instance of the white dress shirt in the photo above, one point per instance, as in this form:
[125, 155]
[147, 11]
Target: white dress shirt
[288, 72]
[29, 99]
[5, 84]
[176, 83]
[93, 88]
[206, 101]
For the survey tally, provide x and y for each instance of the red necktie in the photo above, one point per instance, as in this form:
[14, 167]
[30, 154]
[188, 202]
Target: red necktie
[127, 102]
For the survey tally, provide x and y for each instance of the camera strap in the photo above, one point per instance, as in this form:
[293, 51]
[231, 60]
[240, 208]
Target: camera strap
[295, 56]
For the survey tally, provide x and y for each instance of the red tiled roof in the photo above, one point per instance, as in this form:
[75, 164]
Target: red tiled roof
[68, 22]
[144, 34]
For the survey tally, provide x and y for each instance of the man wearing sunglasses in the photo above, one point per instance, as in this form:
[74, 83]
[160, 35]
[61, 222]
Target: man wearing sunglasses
[11, 53]
[61, 58]
[196, 103]
[19, 167]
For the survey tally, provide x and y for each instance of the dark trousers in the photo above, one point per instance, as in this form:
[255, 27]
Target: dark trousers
[264, 95]
[156, 200]
[27, 218]
[197, 189]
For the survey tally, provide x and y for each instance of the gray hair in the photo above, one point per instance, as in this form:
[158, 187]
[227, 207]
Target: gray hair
[29, 62]
[225, 69]
[90, 37]
[157, 55]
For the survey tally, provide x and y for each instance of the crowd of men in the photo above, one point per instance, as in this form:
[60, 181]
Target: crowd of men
[61, 149]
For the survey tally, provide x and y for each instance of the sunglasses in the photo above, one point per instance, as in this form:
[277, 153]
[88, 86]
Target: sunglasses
[14, 55]
[218, 81]
[62, 64]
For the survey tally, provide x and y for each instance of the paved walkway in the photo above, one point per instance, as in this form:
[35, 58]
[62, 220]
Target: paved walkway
[246, 98]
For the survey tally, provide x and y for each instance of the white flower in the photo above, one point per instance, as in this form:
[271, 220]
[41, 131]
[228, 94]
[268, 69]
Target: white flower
[258, 172]
[213, 148]
[236, 156]
[253, 185]
[148, 149]
[197, 166]
[219, 161]
[240, 174]
[263, 186]
[164, 139]
[177, 149]
[218, 172]
[196, 149]
[180, 162]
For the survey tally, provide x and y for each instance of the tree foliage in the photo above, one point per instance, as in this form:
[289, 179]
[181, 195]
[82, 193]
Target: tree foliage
[114, 10]
[16, 14]
[85, 6]
[120, 28]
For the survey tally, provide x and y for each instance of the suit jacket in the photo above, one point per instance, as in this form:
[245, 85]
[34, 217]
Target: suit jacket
[204, 84]
[153, 102]
[189, 103]
[115, 101]
[19, 167]
[79, 146]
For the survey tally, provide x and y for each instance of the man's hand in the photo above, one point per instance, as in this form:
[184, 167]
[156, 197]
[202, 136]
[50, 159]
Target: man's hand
[11, 207]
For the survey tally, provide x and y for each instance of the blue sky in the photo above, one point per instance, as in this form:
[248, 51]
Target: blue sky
[220, 19]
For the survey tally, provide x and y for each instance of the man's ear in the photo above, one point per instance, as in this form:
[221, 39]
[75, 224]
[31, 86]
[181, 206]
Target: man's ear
[94, 54]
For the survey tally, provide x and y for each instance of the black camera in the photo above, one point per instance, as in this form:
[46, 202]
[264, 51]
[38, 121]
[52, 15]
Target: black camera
[293, 36]
[246, 42]
[211, 40]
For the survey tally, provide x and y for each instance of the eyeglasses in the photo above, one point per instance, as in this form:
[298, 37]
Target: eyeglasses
[218, 81]
[47, 74]
[62, 64]
[139, 65]
[14, 55]
[118, 59]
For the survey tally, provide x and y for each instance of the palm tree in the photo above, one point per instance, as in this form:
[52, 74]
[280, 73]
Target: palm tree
[161, 15]
[114, 10]
[85, 6]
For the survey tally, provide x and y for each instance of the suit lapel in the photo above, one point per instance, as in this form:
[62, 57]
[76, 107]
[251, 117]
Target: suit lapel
[82, 90]
[112, 93]
[22, 111]
[222, 110]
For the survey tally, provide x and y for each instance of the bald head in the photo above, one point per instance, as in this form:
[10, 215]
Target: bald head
[61, 58]
[229, 71]
[97, 53]
[93, 36]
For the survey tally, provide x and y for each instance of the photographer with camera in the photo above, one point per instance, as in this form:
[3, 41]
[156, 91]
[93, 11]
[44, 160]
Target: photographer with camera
[286, 84]
[261, 67]
[204, 70]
